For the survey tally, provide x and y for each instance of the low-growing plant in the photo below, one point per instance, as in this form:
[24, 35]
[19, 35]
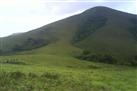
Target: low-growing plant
[32, 75]
[12, 61]
[91, 66]
[133, 62]
[16, 75]
[50, 75]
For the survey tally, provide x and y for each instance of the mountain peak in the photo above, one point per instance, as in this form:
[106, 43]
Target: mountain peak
[104, 11]
[99, 9]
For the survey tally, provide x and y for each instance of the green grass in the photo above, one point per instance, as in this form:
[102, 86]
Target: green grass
[57, 73]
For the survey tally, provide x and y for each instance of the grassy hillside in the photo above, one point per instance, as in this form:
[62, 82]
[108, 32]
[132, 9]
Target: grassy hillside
[100, 30]
[46, 59]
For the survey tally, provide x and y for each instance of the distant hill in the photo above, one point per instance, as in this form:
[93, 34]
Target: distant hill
[100, 30]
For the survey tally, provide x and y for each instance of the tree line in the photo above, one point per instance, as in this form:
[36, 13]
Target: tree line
[104, 58]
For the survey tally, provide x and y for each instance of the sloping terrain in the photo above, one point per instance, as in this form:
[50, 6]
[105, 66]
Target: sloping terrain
[46, 59]
[100, 30]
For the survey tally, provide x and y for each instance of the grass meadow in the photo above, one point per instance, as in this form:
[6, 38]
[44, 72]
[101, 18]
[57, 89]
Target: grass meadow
[57, 73]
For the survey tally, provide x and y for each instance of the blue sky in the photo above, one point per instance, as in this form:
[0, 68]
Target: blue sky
[23, 15]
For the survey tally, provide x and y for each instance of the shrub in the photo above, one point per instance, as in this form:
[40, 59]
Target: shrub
[16, 75]
[105, 58]
[32, 75]
[13, 61]
[133, 62]
[86, 52]
[93, 66]
[50, 75]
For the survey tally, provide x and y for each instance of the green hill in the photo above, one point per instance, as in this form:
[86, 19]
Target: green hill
[100, 30]
[60, 55]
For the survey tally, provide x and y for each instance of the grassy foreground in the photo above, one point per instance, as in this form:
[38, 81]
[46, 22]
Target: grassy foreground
[57, 73]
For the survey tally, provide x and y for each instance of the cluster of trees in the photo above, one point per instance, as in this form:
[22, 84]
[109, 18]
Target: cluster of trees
[104, 58]
[12, 61]
[133, 62]
[30, 43]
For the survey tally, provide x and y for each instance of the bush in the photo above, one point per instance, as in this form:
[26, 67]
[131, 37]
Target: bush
[86, 52]
[16, 75]
[133, 62]
[93, 66]
[32, 75]
[13, 61]
[105, 58]
[50, 75]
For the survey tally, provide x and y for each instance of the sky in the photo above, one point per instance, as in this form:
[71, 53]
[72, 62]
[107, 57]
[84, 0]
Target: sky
[18, 16]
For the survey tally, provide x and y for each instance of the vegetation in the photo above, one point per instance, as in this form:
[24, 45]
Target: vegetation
[44, 59]
[134, 61]
[30, 43]
[12, 61]
[133, 27]
[105, 58]
[54, 73]
[89, 26]
[0, 51]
